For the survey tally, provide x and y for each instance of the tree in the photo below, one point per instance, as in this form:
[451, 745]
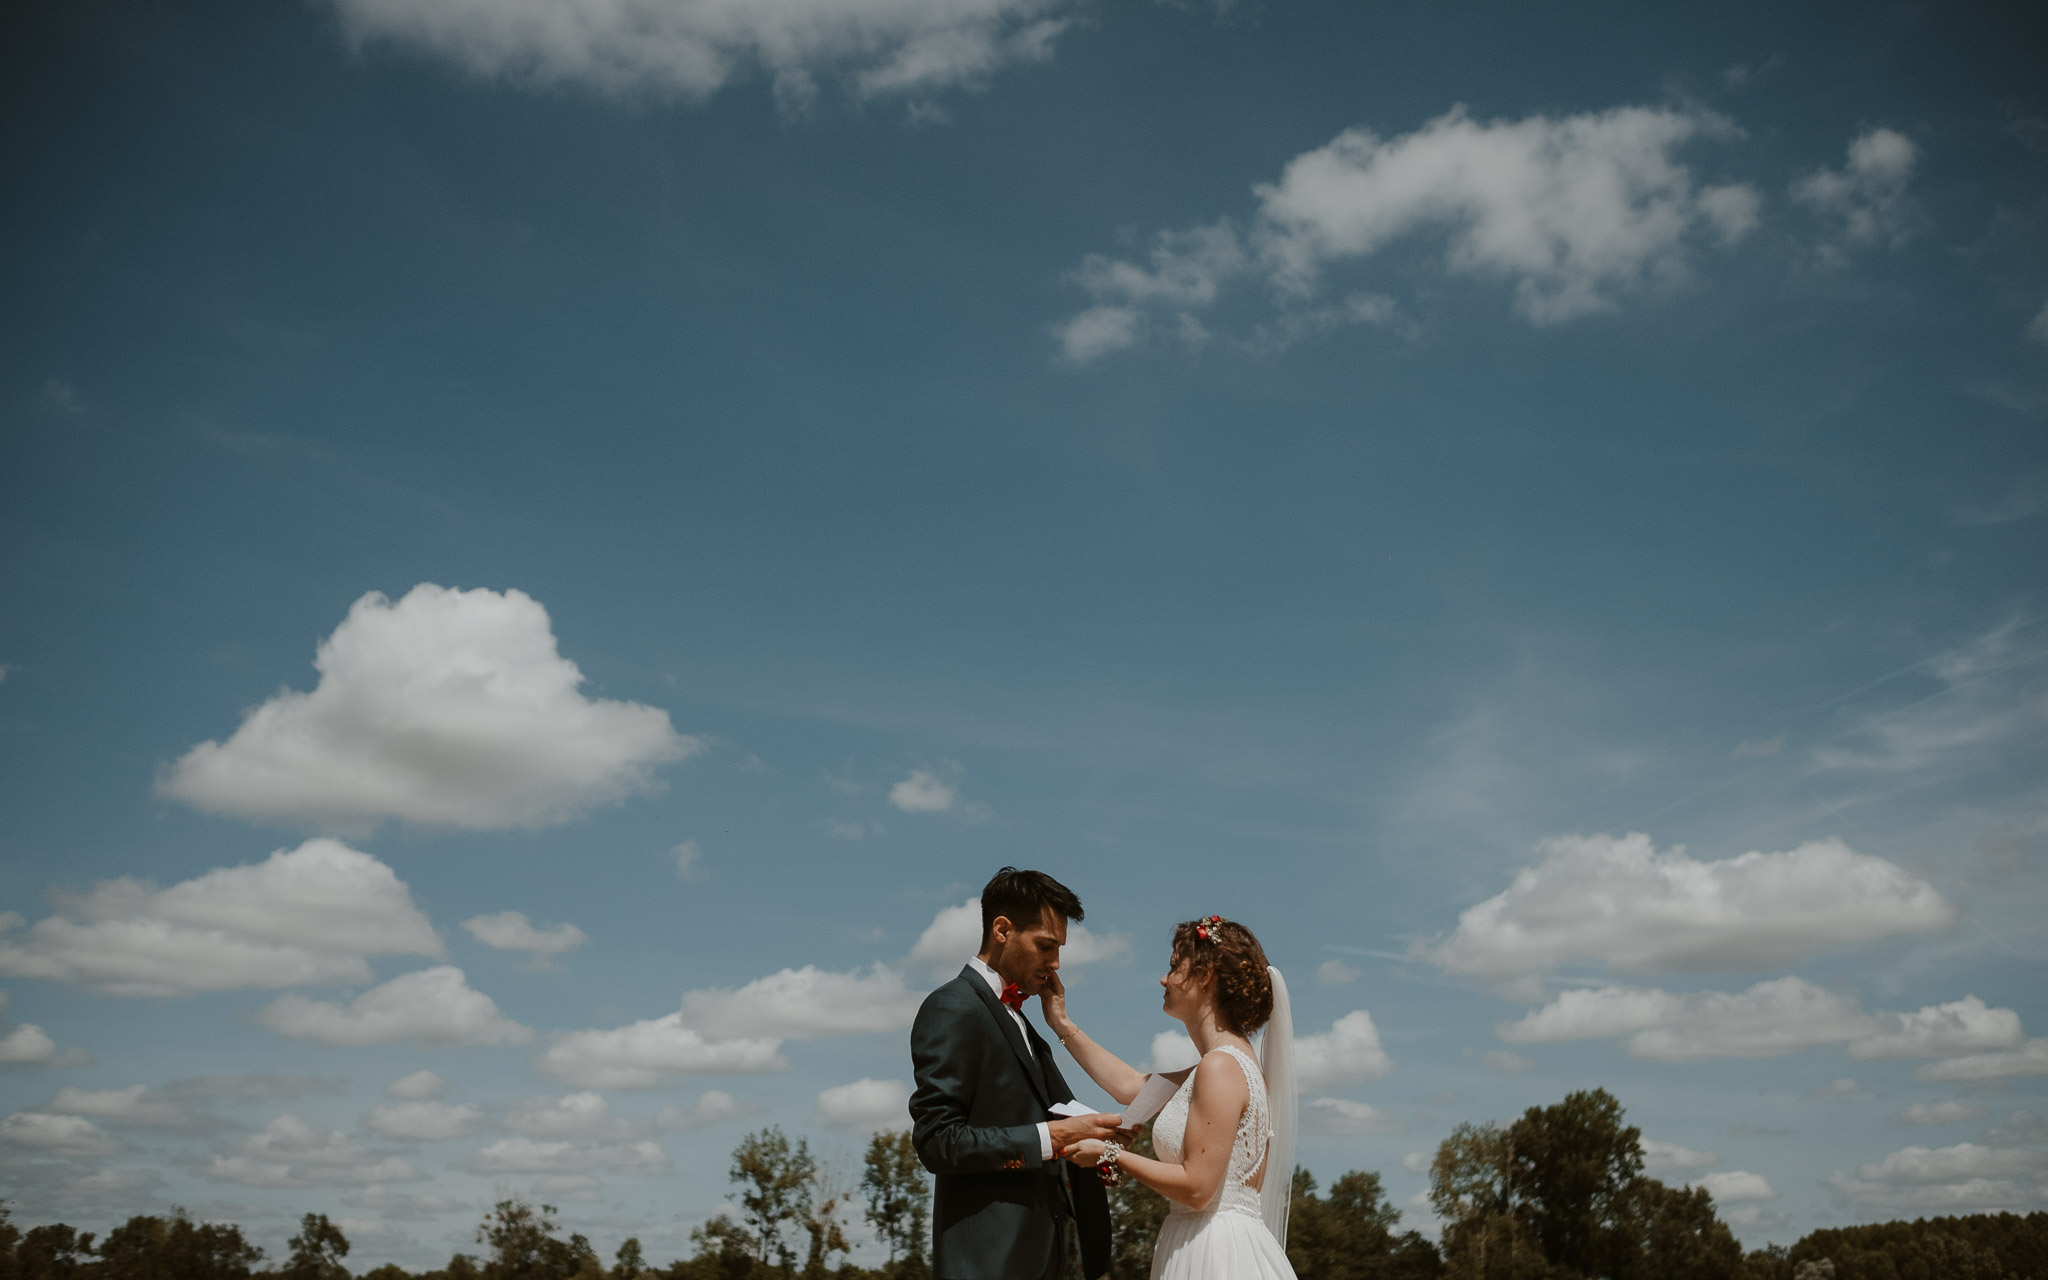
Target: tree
[1350, 1235]
[724, 1251]
[1674, 1235]
[776, 1182]
[1575, 1167]
[898, 1197]
[389, 1271]
[176, 1248]
[317, 1251]
[54, 1252]
[1472, 1186]
[628, 1263]
[524, 1245]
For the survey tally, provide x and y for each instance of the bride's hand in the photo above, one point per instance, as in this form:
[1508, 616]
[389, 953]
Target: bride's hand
[1087, 1153]
[1052, 1002]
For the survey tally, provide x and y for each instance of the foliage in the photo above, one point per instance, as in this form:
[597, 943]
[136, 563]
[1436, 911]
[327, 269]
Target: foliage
[317, 1251]
[176, 1248]
[898, 1196]
[775, 1181]
[524, 1245]
[1990, 1246]
[1350, 1235]
[1672, 1234]
[628, 1263]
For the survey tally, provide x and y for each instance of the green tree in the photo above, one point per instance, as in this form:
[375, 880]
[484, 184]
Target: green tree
[1674, 1235]
[524, 1245]
[724, 1251]
[628, 1263]
[1350, 1235]
[55, 1252]
[176, 1248]
[1575, 1169]
[317, 1251]
[389, 1271]
[898, 1198]
[1472, 1186]
[776, 1182]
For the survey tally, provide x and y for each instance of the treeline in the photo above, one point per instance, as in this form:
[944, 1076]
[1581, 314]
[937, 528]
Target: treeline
[1559, 1194]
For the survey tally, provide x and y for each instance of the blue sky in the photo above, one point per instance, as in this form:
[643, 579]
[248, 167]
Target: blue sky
[1539, 514]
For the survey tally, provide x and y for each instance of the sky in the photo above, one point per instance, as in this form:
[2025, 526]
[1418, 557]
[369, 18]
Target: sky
[551, 547]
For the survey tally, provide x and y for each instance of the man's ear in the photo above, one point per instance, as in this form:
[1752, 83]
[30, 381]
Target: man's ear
[1000, 929]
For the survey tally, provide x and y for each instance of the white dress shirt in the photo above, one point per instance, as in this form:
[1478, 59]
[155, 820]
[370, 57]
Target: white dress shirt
[996, 984]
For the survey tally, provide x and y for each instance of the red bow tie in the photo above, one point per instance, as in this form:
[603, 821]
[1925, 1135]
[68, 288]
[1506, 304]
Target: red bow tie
[1013, 995]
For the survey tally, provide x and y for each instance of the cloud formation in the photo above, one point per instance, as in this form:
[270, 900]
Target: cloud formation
[430, 1007]
[424, 1121]
[1864, 201]
[445, 708]
[1348, 1053]
[1575, 212]
[288, 1152]
[802, 1004]
[692, 48]
[305, 915]
[512, 931]
[1347, 1118]
[646, 1054]
[865, 1105]
[954, 935]
[1620, 902]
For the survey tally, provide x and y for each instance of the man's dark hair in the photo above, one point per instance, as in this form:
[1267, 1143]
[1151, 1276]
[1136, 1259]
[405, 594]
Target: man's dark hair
[1025, 897]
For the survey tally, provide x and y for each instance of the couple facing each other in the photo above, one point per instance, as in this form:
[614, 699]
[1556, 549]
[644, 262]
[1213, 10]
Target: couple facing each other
[1020, 1178]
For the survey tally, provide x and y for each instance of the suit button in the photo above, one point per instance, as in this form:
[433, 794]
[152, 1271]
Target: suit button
[1013, 1164]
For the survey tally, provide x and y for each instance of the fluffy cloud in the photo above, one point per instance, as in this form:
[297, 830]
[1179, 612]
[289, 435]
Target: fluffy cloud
[28, 1045]
[1351, 1119]
[1575, 211]
[715, 1106]
[525, 1155]
[1947, 1111]
[304, 915]
[1865, 199]
[414, 1206]
[288, 1152]
[1780, 1015]
[584, 1115]
[922, 792]
[1348, 1053]
[865, 1105]
[1661, 1158]
[2029, 1059]
[425, 1120]
[50, 1135]
[694, 47]
[434, 1006]
[955, 934]
[136, 1107]
[1963, 1178]
[1172, 1050]
[1621, 902]
[1335, 973]
[420, 1084]
[1735, 1185]
[645, 1054]
[801, 1004]
[512, 931]
[446, 708]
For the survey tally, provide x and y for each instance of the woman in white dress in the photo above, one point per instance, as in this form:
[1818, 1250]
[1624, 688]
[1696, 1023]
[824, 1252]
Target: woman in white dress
[1225, 1139]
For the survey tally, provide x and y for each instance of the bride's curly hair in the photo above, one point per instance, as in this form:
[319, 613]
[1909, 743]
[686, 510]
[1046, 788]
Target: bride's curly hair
[1225, 948]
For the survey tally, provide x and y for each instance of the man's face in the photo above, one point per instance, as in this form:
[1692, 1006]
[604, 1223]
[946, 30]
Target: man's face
[1029, 956]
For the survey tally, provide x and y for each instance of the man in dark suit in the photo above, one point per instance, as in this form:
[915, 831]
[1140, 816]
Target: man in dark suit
[1005, 1208]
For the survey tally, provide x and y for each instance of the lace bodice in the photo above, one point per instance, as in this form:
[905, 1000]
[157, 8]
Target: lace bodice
[1247, 1150]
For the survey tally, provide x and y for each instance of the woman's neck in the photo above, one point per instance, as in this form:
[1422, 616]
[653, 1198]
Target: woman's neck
[1208, 1033]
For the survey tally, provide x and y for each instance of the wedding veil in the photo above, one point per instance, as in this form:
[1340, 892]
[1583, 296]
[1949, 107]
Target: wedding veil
[1276, 1060]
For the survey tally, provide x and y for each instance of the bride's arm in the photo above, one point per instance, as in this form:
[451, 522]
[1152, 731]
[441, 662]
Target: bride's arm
[1119, 1079]
[1221, 1095]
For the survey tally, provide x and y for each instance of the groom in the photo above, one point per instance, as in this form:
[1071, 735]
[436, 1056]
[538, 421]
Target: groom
[980, 1117]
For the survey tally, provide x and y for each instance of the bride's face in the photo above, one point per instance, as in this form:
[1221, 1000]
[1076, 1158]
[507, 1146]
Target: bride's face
[1183, 991]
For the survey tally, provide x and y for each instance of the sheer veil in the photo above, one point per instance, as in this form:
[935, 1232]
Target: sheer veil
[1276, 1060]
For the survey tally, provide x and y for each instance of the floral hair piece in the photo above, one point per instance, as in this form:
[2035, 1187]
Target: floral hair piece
[1203, 931]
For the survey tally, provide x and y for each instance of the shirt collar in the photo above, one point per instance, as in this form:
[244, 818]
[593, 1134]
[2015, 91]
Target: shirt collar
[988, 974]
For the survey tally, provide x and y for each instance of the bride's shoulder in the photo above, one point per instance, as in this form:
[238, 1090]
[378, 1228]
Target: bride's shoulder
[1219, 1071]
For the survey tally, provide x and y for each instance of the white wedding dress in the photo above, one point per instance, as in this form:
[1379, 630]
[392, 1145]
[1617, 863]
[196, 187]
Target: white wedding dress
[1230, 1240]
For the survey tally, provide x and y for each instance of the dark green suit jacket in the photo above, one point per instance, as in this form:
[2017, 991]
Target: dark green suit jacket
[982, 1090]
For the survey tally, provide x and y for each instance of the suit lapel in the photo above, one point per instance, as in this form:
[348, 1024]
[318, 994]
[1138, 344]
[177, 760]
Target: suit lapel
[1001, 1014]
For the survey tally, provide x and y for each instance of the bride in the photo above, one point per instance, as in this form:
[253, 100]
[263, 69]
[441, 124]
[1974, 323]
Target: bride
[1225, 1140]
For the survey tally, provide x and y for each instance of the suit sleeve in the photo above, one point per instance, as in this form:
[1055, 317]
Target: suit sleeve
[943, 1058]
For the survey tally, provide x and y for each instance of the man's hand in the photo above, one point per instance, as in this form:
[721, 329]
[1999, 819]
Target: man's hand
[1069, 1130]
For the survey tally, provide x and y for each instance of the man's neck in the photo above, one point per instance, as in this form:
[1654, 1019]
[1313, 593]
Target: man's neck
[990, 962]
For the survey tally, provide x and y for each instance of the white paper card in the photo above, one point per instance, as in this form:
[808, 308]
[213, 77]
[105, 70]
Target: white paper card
[1158, 1089]
[1071, 1109]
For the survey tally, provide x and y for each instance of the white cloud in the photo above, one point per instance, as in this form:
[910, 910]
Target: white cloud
[922, 792]
[583, 1116]
[644, 1054]
[525, 1155]
[1577, 212]
[288, 1152]
[1661, 1158]
[1735, 1185]
[434, 1006]
[1416, 1162]
[1623, 903]
[512, 931]
[801, 1004]
[1947, 1111]
[1941, 1031]
[1172, 1050]
[689, 858]
[1865, 199]
[1351, 1119]
[865, 1105]
[304, 915]
[714, 1107]
[1335, 973]
[135, 1106]
[52, 1135]
[1960, 1178]
[28, 1045]
[1502, 1061]
[1348, 1053]
[446, 708]
[2030, 1059]
[424, 1120]
[420, 1084]
[412, 1206]
[692, 48]
[2019, 1129]
[954, 935]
